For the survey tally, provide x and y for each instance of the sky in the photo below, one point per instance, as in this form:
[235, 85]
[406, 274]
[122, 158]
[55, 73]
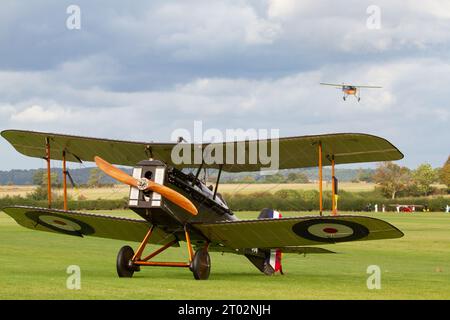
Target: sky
[141, 70]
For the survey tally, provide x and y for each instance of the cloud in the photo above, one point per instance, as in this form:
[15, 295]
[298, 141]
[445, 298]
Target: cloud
[295, 104]
[142, 70]
[35, 114]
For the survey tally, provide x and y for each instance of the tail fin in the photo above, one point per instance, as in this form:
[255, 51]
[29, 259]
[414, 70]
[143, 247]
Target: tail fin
[267, 261]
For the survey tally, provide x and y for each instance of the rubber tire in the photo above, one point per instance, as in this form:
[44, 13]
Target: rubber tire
[201, 264]
[125, 269]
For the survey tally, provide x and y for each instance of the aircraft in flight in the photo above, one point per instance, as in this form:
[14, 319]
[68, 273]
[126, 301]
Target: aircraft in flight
[350, 89]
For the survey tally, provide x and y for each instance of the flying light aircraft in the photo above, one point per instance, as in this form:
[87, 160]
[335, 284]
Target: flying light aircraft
[350, 90]
[177, 207]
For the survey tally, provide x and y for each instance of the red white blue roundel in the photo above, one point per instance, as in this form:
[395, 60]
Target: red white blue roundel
[60, 223]
[330, 230]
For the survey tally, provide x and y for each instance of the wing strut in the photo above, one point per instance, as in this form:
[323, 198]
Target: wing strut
[217, 183]
[49, 175]
[320, 179]
[64, 180]
[333, 187]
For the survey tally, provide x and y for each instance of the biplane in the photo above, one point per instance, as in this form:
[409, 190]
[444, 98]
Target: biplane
[350, 90]
[175, 206]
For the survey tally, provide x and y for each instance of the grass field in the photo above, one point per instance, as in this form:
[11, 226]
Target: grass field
[33, 266]
[120, 191]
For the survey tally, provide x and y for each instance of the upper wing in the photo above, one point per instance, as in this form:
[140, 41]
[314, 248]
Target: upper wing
[82, 224]
[370, 87]
[80, 149]
[301, 231]
[294, 152]
[332, 84]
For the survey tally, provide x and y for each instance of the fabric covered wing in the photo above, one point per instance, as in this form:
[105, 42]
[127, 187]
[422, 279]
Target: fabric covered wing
[301, 231]
[78, 149]
[294, 152]
[82, 224]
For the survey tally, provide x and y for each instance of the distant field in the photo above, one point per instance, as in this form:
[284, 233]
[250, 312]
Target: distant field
[33, 266]
[274, 187]
[120, 191]
[116, 192]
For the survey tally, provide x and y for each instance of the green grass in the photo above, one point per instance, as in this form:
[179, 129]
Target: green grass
[33, 266]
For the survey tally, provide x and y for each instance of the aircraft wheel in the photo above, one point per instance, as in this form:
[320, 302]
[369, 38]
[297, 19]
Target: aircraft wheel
[201, 264]
[125, 267]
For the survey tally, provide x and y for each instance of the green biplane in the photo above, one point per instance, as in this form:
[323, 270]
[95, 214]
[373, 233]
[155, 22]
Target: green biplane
[175, 206]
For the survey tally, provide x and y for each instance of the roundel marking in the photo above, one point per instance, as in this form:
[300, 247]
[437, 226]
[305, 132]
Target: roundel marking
[330, 230]
[59, 223]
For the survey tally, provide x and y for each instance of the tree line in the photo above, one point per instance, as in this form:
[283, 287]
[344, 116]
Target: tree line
[393, 180]
[397, 181]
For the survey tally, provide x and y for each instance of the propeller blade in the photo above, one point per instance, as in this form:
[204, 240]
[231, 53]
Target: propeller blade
[145, 184]
[172, 196]
[115, 173]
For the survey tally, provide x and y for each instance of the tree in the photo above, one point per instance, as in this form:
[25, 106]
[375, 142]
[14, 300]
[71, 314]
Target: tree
[392, 178]
[423, 177]
[95, 177]
[247, 179]
[40, 178]
[274, 178]
[444, 174]
[365, 175]
[298, 177]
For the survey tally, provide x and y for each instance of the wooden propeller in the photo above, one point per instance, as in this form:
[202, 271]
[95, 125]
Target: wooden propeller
[145, 184]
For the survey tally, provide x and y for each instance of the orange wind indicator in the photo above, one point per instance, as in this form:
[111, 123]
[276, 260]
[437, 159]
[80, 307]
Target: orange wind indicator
[145, 184]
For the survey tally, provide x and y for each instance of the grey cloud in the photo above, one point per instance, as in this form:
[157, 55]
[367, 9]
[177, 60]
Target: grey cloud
[151, 67]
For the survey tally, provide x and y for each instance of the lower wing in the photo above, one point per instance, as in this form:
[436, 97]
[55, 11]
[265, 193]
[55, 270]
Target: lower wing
[83, 224]
[294, 232]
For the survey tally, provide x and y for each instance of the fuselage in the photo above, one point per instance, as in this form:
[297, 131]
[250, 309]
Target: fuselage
[349, 90]
[169, 216]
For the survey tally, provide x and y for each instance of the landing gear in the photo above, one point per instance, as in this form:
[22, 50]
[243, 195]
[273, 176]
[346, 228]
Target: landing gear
[124, 263]
[129, 262]
[201, 264]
